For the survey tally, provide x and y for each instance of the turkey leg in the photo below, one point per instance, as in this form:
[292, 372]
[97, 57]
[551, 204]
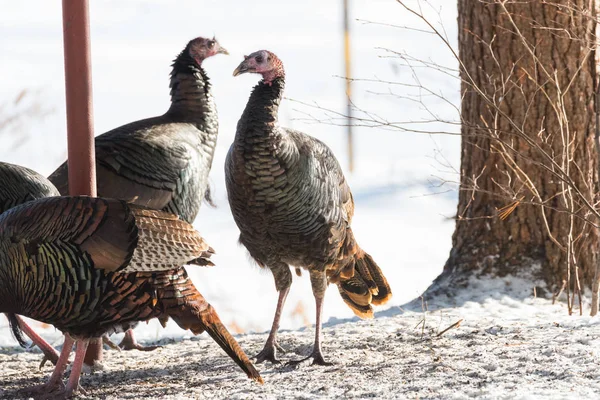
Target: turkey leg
[318, 281]
[50, 354]
[129, 343]
[55, 381]
[269, 352]
[73, 382]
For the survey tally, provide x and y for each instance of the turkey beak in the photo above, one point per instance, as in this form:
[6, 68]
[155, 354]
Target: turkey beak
[222, 50]
[241, 69]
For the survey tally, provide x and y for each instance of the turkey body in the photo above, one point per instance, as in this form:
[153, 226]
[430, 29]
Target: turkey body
[82, 264]
[293, 207]
[161, 162]
[288, 207]
[91, 266]
[19, 185]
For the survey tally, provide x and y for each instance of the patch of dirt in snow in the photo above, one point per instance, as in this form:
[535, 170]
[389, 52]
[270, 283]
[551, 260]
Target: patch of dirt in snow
[503, 349]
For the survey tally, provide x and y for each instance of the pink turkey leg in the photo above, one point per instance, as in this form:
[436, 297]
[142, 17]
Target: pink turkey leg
[55, 382]
[73, 382]
[49, 352]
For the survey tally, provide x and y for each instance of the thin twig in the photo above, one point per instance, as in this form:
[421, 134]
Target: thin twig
[454, 325]
[555, 296]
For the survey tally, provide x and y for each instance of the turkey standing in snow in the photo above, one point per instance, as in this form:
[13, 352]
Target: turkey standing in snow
[163, 162]
[91, 266]
[290, 199]
[19, 185]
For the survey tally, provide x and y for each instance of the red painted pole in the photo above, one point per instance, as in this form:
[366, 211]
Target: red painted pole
[78, 82]
[80, 118]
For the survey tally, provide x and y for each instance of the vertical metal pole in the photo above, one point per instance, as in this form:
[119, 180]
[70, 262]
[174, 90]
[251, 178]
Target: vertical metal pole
[80, 129]
[78, 80]
[348, 64]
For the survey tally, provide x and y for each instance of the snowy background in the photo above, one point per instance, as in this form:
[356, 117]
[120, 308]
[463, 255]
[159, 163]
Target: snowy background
[402, 217]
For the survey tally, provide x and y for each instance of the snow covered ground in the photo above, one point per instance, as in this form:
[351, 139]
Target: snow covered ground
[398, 219]
[508, 345]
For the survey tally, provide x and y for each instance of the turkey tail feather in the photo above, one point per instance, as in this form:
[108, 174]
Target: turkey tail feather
[204, 259]
[207, 320]
[15, 327]
[187, 307]
[366, 286]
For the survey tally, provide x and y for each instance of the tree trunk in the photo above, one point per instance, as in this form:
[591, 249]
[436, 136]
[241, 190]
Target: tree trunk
[529, 78]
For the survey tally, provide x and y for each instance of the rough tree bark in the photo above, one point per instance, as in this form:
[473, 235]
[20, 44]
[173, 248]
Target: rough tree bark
[518, 61]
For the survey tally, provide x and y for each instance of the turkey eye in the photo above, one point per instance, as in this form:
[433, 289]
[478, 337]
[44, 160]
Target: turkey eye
[211, 44]
[259, 59]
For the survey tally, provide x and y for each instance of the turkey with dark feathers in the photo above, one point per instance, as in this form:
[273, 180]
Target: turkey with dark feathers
[163, 162]
[91, 266]
[18, 185]
[293, 206]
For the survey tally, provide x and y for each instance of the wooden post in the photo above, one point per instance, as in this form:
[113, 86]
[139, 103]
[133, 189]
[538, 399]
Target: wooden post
[80, 129]
[348, 65]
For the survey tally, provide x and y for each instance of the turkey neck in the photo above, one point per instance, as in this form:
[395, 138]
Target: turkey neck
[260, 116]
[191, 99]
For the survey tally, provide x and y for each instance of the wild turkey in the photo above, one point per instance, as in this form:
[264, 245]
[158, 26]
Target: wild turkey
[292, 204]
[91, 266]
[19, 185]
[163, 162]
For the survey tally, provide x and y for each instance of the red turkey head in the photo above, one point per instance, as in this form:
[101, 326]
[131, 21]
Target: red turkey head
[261, 62]
[201, 48]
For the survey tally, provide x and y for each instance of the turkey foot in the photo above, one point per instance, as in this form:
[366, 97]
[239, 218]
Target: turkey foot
[317, 360]
[106, 340]
[269, 353]
[65, 393]
[129, 343]
[51, 356]
[52, 391]
[46, 390]
[54, 385]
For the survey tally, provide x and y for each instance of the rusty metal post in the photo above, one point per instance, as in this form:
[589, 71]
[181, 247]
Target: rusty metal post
[78, 82]
[80, 129]
[348, 67]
